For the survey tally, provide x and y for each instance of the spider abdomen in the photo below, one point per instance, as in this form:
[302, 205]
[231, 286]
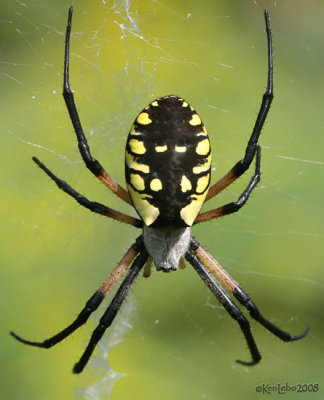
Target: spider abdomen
[168, 158]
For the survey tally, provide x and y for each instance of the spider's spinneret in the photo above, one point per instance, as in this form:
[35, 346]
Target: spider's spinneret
[168, 160]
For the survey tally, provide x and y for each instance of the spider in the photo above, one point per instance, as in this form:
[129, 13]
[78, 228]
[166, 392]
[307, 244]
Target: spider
[167, 168]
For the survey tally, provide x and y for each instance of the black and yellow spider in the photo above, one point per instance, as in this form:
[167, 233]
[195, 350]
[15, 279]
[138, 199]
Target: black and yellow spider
[167, 164]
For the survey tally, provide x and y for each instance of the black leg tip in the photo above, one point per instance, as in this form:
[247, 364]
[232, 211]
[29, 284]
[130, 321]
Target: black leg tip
[248, 363]
[300, 336]
[14, 335]
[45, 345]
[77, 369]
[41, 166]
[20, 339]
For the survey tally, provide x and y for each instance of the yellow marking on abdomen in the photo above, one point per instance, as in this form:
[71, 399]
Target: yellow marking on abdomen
[189, 213]
[147, 212]
[185, 184]
[137, 146]
[161, 149]
[185, 104]
[202, 184]
[195, 120]
[203, 147]
[154, 104]
[203, 133]
[180, 149]
[203, 167]
[144, 119]
[156, 184]
[137, 181]
[133, 131]
[135, 165]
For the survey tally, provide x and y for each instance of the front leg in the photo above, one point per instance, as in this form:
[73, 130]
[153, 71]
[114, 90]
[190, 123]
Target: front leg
[241, 166]
[92, 164]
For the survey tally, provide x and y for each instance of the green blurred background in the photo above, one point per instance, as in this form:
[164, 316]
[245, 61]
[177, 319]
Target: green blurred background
[171, 339]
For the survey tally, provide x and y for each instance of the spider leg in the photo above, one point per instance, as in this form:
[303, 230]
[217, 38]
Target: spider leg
[240, 167]
[108, 317]
[234, 311]
[233, 287]
[92, 164]
[93, 303]
[233, 207]
[91, 205]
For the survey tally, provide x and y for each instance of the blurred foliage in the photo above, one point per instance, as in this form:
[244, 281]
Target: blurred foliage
[171, 339]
